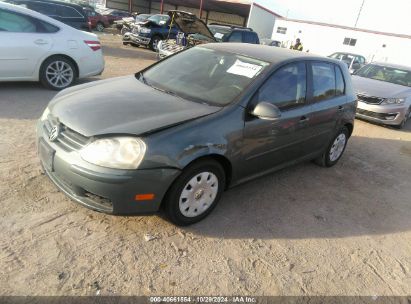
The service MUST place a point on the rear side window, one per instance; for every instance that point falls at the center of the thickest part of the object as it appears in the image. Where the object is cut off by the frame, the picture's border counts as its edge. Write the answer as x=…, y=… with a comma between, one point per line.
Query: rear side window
x=339, y=82
x=286, y=88
x=236, y=36
x=323, y=80
x=17, y=23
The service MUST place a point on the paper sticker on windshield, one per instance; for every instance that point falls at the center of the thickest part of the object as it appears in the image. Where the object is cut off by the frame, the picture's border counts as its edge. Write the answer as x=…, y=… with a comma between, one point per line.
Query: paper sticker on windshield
x=218, y=35
x=244, y=69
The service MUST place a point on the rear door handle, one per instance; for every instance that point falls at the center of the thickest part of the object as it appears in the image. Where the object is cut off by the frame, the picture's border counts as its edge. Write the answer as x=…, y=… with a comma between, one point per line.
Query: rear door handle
x=304, y=119
x=40, y=41
x=340, y=108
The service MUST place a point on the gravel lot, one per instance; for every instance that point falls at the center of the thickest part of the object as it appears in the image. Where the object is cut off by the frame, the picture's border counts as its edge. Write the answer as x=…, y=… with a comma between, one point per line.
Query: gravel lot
x=302, y=231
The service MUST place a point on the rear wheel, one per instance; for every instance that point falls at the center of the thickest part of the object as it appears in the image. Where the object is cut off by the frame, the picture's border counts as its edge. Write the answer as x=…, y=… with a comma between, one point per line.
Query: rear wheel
x=195, y=193
x=57, y=73
x=335, y=150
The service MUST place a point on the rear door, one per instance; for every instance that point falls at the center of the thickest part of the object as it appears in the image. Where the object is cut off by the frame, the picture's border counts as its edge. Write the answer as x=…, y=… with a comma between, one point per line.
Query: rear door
x=272, y=143
x=328, y=101
x=24, y=41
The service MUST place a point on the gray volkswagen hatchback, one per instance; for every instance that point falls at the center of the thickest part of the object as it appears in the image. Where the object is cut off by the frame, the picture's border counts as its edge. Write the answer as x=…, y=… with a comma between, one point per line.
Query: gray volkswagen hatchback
x=178, y=133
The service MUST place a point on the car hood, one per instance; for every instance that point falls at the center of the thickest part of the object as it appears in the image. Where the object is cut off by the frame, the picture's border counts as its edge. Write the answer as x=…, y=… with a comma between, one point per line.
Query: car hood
x=190, y=24
x=378, y=88
x=122, y=105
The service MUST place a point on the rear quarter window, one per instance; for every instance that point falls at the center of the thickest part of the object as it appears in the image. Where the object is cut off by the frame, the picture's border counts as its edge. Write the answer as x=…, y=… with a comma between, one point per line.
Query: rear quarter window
x=339, y=82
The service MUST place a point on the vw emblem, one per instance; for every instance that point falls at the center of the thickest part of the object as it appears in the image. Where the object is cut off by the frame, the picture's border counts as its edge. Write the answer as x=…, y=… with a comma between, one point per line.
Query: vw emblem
x=54, y=133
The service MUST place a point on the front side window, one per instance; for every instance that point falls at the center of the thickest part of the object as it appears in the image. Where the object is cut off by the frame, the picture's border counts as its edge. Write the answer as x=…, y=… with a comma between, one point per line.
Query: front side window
x=286, y=88
x=17, y=23
x=323, y=80
x=204, y=75
x=67, y=12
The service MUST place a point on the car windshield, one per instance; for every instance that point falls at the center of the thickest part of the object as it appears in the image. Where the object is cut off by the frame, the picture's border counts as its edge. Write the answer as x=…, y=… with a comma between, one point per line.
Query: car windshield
x=204, y=75
x=142, y=17
x=219, y=32
x=387, y=74
x=159, y=19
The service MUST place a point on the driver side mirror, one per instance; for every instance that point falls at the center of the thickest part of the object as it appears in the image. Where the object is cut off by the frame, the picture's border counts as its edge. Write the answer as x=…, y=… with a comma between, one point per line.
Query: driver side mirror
x=266, y=110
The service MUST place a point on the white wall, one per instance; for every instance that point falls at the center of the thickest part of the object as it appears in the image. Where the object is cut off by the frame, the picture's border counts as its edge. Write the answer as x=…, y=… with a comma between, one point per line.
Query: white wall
x=261, y=21
x=325, y=40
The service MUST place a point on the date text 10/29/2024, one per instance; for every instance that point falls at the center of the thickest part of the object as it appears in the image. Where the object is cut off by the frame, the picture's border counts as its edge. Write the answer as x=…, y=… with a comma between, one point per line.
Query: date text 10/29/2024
x=202, y=299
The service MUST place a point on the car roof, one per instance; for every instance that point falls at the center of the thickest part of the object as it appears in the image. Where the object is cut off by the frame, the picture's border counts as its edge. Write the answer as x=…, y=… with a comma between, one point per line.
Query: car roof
x=21, y=9
x=392, y=65
x=74, y=5
x=265, y=53
x=352, y=54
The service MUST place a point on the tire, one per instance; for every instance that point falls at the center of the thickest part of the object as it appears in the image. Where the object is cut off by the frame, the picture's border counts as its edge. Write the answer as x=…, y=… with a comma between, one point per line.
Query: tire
x=100, y=27
x=404, y=121
x=153, y=43
x=199, y=187
x=334, y=150
x=57, y=73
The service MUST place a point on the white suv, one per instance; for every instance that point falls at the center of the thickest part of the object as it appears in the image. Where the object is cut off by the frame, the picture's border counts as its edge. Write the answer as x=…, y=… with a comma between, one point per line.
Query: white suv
x=34, y=47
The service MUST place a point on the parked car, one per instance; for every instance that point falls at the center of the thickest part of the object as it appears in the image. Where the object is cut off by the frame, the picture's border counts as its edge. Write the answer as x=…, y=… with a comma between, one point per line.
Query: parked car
x=353, y=61
x=384, y=93
x=35, y=47
x=126, y=24
x=114, y=15
x=150, y=32
x=191, y=31
x=230, y=33
x=68, y=13
x=270, y=42
x=186, y=128
x=97, y=21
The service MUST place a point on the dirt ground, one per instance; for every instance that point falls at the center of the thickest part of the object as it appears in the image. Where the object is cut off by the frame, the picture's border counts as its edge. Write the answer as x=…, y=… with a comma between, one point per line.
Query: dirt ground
x=304, y=230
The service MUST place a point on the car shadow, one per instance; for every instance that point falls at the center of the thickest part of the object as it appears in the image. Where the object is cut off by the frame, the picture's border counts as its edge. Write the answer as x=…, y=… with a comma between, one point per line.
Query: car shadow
x=366, y=193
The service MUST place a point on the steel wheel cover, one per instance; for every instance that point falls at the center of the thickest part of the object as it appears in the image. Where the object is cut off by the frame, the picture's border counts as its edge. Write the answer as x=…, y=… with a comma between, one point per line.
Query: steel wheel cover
x=60, y=74
x=198, y=194
x=338, y=147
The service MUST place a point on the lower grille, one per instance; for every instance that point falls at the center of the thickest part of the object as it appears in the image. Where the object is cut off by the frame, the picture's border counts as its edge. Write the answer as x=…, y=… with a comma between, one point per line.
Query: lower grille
x=370, y=99
x=104, y=202
x=382, y=116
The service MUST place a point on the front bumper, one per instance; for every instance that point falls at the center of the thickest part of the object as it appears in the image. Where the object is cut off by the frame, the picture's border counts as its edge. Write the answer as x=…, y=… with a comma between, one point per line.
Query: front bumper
x=384, y=114
x=136, y=39
x=103, y=189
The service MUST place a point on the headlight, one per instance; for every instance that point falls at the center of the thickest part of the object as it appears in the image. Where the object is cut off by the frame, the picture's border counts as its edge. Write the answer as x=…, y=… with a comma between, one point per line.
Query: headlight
x=116, y=152
x=145, y=30
x=390, y=101
x=45, y=114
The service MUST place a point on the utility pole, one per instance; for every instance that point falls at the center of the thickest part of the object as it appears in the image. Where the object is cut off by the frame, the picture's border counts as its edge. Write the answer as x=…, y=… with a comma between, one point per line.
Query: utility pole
x=359, y=13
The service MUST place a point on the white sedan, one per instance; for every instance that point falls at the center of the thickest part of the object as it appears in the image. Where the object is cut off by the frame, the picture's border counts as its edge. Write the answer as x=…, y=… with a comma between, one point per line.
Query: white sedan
x=34, y=47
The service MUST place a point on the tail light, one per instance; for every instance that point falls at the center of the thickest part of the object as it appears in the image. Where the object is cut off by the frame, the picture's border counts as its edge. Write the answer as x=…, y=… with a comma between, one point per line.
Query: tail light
x=94, y=45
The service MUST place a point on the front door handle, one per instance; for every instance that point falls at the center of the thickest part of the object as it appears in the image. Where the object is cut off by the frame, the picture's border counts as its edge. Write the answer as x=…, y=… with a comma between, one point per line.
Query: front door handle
x=340, y=108
x=40, y=41
x=304, y=119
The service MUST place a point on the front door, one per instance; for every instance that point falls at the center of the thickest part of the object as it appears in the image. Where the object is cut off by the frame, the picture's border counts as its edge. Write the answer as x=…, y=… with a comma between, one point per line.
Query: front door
x=273, y=143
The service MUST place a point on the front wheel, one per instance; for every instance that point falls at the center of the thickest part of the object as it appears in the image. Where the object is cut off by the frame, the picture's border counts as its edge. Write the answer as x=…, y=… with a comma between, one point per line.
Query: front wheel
x=404, y=121
x=100, y=27
x=57, y=73
x=195, y=193
x=154, y=43
x=335, y=150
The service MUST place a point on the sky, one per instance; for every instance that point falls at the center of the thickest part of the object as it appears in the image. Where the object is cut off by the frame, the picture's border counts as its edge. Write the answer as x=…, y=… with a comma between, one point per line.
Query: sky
x=380, y=15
